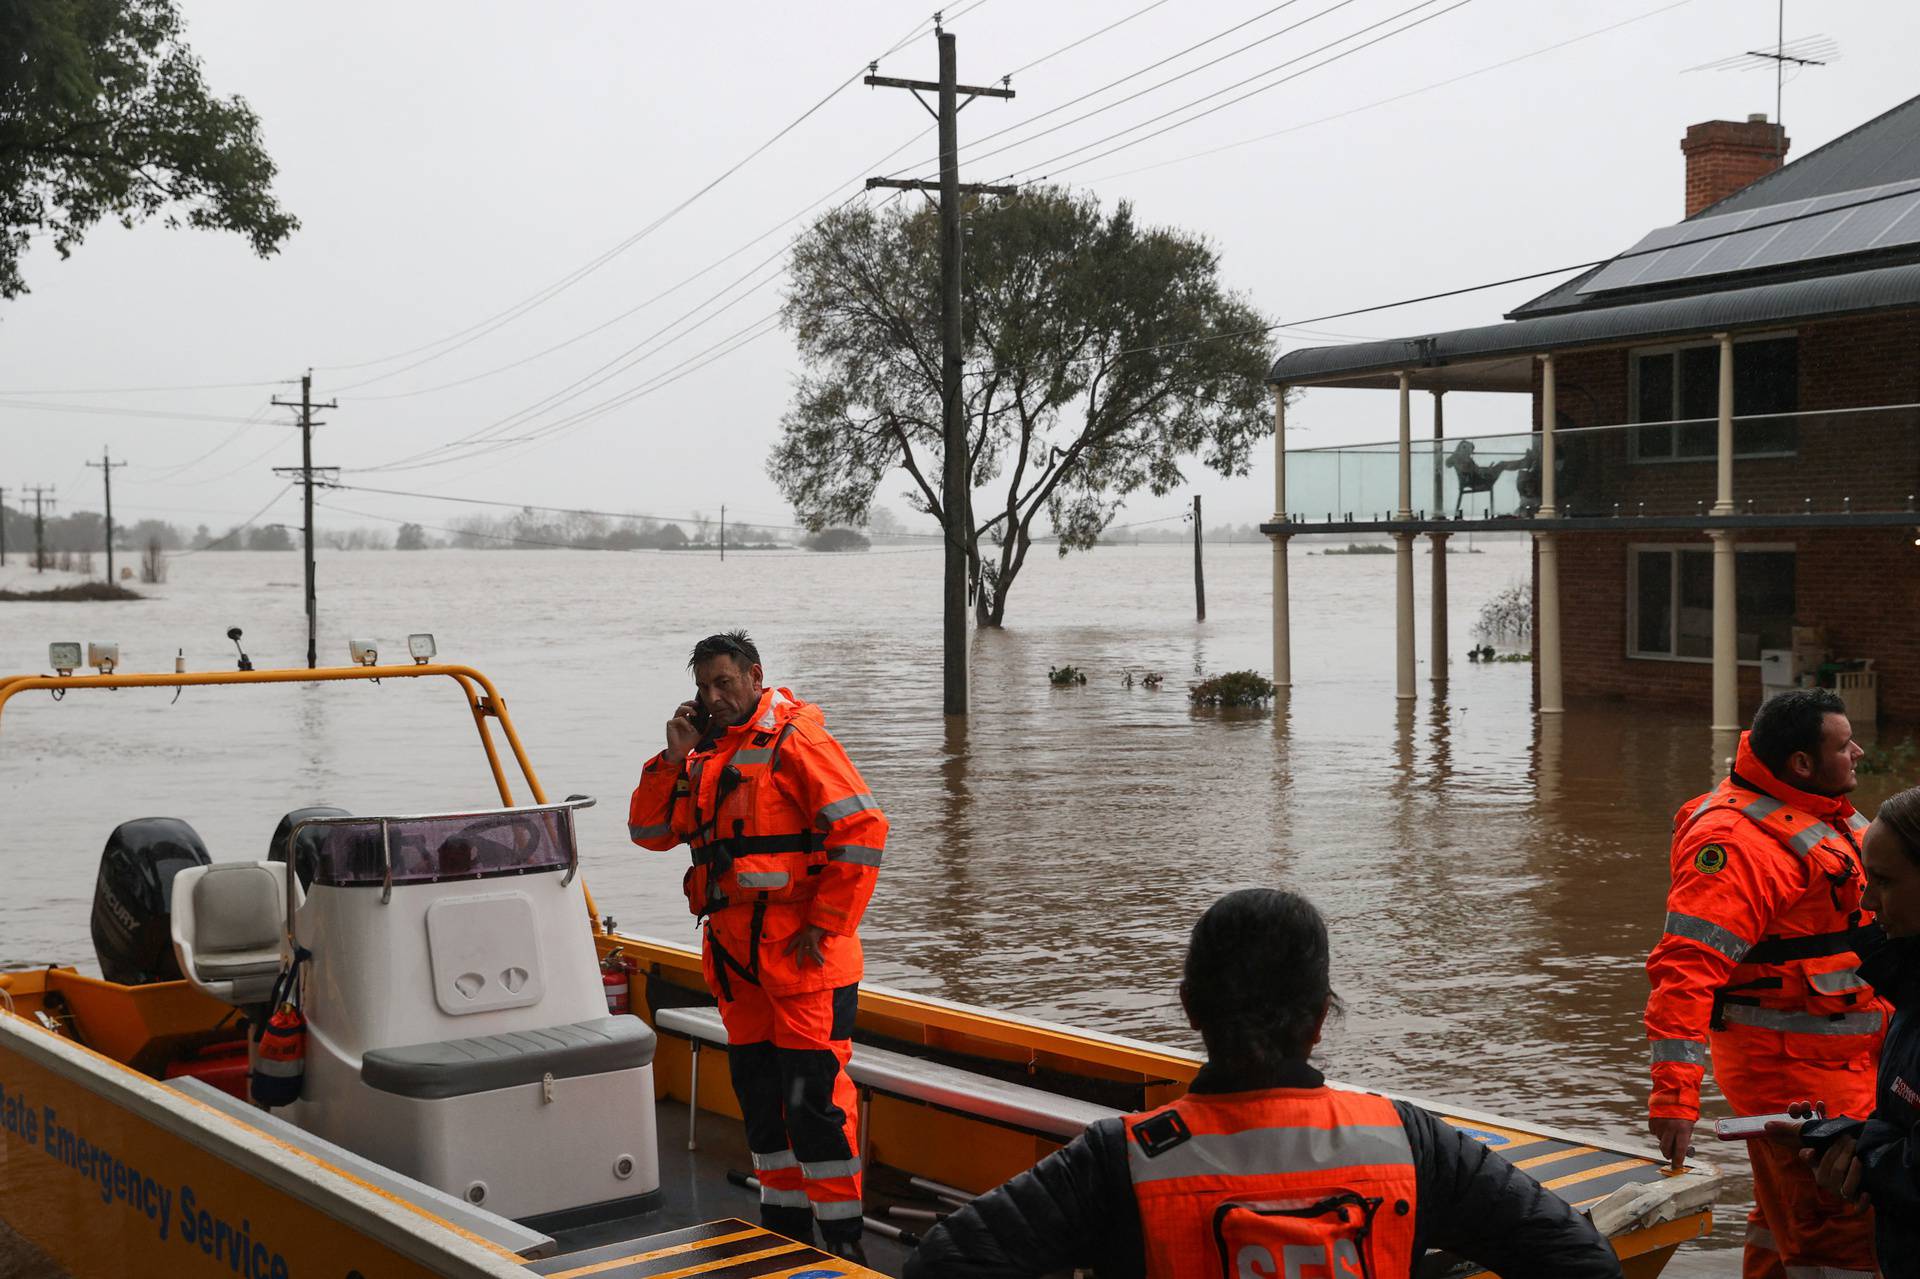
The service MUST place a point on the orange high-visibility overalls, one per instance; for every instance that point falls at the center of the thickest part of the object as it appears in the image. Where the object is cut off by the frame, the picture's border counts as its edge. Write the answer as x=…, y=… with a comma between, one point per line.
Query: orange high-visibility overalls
x=784, y=834
x=1759, y=959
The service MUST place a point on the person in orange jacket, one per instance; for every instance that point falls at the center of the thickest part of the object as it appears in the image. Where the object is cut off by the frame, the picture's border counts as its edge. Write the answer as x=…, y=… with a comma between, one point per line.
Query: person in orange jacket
x=786, y=843
x=1764, y=934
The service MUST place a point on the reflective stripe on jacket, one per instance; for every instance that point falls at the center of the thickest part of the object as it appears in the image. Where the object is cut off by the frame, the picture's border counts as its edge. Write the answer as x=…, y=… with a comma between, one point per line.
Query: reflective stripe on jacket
x=1760, y=952
x=784, y=833
x=1286, y=1181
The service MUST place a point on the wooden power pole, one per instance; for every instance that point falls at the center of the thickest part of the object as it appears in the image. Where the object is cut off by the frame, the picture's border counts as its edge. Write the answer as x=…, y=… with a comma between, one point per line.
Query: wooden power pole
x=40, y=500
x=306, y=473
x=3, y=528
x=1199, y=577
x=107, y=467
x=956, y=488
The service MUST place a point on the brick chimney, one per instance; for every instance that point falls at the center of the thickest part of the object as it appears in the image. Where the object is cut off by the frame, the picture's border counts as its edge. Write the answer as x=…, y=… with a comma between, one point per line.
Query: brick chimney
x=1723, y=156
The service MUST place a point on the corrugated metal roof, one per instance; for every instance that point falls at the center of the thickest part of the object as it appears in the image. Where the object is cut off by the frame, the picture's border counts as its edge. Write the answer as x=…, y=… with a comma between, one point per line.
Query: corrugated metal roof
x=1884, y=289
x=1885, y=149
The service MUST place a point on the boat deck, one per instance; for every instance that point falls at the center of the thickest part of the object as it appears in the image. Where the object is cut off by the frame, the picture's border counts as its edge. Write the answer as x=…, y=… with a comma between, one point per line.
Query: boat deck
x=704, y=1220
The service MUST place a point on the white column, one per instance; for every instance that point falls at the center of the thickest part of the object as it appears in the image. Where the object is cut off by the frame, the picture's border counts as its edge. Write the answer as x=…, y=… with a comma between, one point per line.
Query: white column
x=1547, y=624
x=1438, y=653
x=1282, y=627
x=1403, y=551
x=1726, y=623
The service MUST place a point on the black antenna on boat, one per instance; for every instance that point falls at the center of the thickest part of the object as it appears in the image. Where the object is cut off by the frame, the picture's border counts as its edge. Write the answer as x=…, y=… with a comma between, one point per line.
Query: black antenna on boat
x=233, y=633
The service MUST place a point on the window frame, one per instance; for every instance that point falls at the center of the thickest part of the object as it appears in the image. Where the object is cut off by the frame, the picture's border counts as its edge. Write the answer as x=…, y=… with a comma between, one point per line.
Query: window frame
x=1634, y=354
x=1632, y=609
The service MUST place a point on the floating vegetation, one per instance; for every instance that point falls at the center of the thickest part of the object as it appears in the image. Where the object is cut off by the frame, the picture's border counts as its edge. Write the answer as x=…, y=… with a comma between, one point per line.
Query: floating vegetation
x=1235, y=688
x=1359, y=548
x=79, y=591
x=1152, y=679
x=1062, y=676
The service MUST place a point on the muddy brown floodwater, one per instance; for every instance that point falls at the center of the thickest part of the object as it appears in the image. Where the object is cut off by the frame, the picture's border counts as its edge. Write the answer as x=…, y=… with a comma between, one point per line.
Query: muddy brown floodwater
x=1492, y=886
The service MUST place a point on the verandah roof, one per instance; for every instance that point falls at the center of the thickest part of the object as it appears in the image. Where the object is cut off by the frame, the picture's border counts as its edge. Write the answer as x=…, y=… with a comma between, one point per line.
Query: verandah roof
x=1499, y=357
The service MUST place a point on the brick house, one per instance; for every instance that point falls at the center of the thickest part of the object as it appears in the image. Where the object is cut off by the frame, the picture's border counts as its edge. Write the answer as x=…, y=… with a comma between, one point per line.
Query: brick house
x=1726, y=437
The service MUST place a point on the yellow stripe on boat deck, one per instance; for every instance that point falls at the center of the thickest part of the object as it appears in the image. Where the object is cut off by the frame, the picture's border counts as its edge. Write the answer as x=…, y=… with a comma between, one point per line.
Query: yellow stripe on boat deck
x=729, y=1249
x=1581, y=1174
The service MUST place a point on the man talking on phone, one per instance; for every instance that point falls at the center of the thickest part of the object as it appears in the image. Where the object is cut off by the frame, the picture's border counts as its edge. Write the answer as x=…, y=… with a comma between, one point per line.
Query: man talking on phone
x=786, y=844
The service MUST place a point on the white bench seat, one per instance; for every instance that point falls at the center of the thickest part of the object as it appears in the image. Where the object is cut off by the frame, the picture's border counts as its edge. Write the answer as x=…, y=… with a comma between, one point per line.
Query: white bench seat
x=916, y=1079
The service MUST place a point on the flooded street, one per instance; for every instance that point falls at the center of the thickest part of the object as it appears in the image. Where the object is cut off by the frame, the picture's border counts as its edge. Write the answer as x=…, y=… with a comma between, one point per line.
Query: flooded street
x=1492, y=891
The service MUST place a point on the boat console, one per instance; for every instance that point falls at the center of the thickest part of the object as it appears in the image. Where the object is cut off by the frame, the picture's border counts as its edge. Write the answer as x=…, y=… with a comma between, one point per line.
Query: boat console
x=456, y=1027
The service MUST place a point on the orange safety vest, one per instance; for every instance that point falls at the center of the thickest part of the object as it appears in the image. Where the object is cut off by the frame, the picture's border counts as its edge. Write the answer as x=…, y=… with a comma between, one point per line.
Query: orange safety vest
x=1762, y=943
x=783, y=833
x=1284, y=1183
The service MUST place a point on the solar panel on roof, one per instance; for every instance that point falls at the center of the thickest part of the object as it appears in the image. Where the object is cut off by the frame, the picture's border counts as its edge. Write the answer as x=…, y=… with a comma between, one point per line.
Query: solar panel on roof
x=1828, y=226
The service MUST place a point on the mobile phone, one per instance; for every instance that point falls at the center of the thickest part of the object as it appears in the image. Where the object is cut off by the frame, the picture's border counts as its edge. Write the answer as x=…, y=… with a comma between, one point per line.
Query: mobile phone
x=702, y=717
x=1747, y=1127
x=1821, y=1133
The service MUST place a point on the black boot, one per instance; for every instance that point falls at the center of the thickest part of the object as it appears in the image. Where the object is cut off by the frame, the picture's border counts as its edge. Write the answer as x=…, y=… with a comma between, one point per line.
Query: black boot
x=795, y=1223
x=849, y=1249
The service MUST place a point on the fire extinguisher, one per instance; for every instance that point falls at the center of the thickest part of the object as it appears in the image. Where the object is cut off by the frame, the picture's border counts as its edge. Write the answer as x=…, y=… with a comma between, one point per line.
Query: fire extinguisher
x=280, y=1050
x=616, y=979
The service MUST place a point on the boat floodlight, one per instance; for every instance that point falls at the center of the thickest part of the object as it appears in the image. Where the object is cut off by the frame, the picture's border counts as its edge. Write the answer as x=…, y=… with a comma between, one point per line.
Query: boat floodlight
x=103, y=656
x=364, y=652
x=421, y=647
x=64, y=657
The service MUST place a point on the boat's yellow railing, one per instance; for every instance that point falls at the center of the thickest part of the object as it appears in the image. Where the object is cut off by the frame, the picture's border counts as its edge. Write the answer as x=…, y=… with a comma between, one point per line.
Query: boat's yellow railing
x=483, y=700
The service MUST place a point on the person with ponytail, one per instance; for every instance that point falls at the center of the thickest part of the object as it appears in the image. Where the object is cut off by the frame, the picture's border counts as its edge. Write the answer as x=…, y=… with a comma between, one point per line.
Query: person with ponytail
x=1877, y=1161
x=1262, y=1168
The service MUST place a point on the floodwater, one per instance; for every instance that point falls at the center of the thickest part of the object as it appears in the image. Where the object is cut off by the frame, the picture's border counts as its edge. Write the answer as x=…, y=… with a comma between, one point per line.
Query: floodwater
x=1492, y=888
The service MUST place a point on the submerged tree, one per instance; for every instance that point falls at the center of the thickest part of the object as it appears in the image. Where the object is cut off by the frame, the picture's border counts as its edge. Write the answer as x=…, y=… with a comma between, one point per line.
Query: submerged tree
x=1101, y=355
x=103, y=114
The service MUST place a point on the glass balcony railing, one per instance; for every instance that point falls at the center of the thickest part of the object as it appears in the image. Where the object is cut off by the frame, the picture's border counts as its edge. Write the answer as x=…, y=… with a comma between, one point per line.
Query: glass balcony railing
x=1853, y=461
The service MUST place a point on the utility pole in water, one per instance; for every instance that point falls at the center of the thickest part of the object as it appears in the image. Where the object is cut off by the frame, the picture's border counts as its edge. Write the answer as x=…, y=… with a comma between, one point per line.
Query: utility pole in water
x=107, y=467
x=40, y=499
x=1199, y=577
x=306, y=473
x=3, y=528
x=956, y=494
x=723, y=532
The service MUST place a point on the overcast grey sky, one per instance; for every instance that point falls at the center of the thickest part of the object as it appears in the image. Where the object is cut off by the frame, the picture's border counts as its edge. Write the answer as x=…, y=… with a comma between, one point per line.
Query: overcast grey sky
x=448, y=161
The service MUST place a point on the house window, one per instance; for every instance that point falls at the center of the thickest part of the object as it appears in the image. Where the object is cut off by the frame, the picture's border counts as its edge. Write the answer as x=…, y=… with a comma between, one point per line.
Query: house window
x=1670, y=613
x=1678, y=389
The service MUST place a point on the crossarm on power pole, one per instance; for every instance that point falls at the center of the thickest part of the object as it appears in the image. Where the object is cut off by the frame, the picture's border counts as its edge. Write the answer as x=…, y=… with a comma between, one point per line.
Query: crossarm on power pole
x=921, y=184
x=306, y=472
x=107, y=466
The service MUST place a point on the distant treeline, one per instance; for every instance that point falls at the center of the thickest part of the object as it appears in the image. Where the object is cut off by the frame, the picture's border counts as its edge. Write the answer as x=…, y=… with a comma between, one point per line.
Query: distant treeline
x=83, y=531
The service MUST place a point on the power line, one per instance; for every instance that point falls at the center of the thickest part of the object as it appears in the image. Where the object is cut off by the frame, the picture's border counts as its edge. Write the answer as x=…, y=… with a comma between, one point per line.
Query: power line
x=233, y=532
x=1048, y=57
x=1177, y=124
x=1398, y=97
x=149, y=390
x=108, y=410
x=474, y=332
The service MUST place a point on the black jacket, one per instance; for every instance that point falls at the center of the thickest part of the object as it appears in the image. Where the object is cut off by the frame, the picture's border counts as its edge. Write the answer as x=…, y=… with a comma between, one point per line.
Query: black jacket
x=1889, y=1147
x=1075, y=1208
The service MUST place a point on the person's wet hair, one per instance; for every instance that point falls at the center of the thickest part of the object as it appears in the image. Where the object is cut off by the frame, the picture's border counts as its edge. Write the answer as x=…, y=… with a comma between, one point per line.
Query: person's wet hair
x=734, y=644
x=1901, y=815
x=1256, y=976
x=1792, y=721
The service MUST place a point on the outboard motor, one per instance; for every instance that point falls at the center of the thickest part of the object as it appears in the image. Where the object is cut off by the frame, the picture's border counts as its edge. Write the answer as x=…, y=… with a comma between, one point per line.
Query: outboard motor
x=133, y=898
x=283, y=836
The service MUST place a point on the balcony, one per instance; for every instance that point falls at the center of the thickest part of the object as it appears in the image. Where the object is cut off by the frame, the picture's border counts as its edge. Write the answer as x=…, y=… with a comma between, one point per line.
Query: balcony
x=1823, y=468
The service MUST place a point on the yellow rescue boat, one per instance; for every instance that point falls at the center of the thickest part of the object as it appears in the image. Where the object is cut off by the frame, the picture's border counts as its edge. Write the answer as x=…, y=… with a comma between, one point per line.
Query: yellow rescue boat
x=473, y=1097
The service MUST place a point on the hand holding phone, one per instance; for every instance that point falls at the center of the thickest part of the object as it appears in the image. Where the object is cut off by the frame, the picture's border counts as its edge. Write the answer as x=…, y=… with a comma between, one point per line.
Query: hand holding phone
x=1747, y=1127
x=685, y=729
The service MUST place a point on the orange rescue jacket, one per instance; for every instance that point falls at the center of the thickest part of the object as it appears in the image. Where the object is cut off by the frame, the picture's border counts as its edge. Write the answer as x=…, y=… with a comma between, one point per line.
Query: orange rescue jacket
x=784, y=834
x=1285, y=1181
x=1761, y=945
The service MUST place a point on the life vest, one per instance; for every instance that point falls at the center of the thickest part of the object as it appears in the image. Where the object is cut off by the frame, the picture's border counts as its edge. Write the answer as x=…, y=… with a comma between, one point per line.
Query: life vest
x=1801, y=979
x=1286, y=1183
x=751, y=845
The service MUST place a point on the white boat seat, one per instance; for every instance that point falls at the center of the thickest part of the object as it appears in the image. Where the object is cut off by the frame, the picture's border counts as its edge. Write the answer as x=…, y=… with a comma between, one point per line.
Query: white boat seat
x=896, y=1074
x=484, y=1063
x=491, y=1226
x=228, y=925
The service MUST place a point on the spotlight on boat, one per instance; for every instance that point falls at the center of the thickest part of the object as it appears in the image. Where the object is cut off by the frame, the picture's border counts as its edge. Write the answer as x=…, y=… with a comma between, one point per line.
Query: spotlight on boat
x=64, y=658
x=233, y=633
x=103, y=657
x=364, y=652
x=421, y=648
